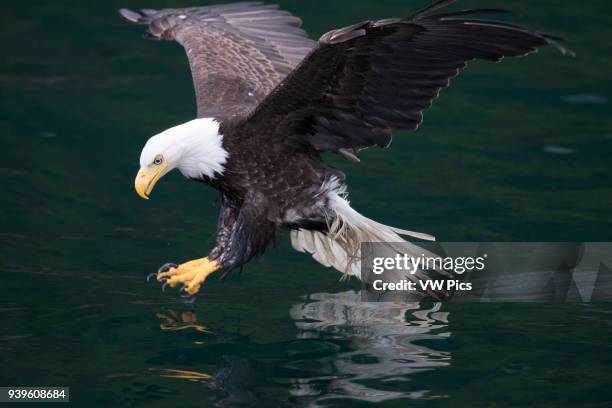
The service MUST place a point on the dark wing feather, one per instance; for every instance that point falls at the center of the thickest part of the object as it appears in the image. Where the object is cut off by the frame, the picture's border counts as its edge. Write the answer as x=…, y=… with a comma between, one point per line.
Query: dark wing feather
x=362, y=81
x=237, y=52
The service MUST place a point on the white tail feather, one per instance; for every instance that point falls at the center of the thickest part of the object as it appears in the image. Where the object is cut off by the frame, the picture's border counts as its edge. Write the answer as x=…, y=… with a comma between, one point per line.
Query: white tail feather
x=340, y=247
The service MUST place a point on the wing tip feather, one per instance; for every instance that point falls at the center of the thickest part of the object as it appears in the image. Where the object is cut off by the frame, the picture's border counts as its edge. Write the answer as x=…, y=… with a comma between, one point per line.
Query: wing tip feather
x=130, y=16
x=440, y=4
x=557, y=42
x=425, y=13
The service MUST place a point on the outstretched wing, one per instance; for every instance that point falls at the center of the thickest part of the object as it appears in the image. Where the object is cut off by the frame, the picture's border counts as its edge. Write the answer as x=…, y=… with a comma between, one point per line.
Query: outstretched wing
x=362, y=81
x=237, y=52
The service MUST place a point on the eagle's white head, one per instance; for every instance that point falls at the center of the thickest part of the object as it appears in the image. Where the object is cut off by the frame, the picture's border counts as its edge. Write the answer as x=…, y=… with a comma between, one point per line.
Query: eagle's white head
x=195, y=148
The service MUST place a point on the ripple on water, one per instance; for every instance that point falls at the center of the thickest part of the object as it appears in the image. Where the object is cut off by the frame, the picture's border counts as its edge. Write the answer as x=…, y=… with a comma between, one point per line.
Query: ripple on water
x=585, y=98
x=558, y=150
x=383, y=347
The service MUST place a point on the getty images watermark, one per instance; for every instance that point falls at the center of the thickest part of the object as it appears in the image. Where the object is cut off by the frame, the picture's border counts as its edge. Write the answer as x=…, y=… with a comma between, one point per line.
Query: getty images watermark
x=487, y=271
x=410, y=265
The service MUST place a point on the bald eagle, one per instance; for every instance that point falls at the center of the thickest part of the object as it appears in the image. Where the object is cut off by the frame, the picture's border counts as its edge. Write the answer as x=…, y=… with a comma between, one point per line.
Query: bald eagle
x=271, y=101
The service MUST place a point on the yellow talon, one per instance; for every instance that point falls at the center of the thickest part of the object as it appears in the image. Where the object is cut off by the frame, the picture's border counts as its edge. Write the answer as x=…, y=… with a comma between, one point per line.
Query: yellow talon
x=182, y=269
x=191, y=274
x=176, y=280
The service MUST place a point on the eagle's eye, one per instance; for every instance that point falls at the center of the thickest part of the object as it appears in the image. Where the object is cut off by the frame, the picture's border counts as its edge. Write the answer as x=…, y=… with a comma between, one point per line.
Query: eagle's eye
x=158, y=160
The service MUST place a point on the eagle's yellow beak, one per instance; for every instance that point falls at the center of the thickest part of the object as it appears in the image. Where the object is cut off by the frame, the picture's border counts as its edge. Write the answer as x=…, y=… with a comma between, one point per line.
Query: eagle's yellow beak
x=147, y=177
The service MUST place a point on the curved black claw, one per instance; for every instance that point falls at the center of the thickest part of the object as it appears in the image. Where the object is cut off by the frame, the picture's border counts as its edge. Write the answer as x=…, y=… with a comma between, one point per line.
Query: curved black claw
x=164, y=286
x=166, y=267
x=149, y=276
x=185, y=295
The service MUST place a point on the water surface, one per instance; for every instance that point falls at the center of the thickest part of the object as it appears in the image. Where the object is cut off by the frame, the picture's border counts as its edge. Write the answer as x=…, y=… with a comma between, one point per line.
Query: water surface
x=513, y=152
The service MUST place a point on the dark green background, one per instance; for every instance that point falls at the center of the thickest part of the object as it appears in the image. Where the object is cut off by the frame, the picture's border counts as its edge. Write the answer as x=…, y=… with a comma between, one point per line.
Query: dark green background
x=81, y=93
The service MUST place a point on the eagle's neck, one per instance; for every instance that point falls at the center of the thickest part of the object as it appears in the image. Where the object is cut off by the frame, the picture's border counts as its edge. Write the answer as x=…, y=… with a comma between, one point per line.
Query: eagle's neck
x=201, y=151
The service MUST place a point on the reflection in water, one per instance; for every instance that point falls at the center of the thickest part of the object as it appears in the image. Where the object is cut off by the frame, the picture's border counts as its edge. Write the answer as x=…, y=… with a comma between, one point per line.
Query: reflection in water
x=171, y=321
x=381, y=347
x=344, y=348
x=182, y=374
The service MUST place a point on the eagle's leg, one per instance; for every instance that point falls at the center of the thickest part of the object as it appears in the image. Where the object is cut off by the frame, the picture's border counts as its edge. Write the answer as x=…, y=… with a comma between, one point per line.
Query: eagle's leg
x=190, y=274
x=242, y=234
x=193, y=273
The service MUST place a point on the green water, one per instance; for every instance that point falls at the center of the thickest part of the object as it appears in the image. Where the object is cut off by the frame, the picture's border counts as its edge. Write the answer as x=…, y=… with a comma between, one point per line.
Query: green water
x=504, y=155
